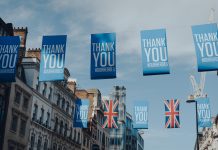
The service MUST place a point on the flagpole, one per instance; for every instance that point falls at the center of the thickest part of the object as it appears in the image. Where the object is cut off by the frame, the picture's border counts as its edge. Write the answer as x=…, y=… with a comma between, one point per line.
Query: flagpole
x=192, y=100
x=196, y=110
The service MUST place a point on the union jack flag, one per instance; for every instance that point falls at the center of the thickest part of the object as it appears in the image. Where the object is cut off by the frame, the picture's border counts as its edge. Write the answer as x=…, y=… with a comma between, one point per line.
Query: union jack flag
x=172, y=113
x=110, y=113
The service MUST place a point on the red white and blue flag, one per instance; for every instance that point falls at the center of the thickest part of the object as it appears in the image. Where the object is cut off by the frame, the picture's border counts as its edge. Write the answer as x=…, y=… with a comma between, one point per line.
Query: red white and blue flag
x=110, y=113
x=172, y=113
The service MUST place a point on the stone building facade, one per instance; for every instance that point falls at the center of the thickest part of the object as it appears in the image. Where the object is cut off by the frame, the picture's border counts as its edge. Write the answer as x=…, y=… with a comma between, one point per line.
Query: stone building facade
x=52, y=109
x=15, y=100
x=94, y=134
x=209, y=136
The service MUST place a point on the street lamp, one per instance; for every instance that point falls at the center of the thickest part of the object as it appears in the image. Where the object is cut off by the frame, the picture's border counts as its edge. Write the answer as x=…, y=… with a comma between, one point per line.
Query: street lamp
x=192, y=100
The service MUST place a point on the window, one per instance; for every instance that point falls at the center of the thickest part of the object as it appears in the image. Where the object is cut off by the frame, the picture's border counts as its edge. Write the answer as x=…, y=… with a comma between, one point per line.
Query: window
x=17, y=97
x=2, y=107
x=56, y=124
x=38, y=85
x=63, y=103
x=48, y=118
x=65, y=130
x=61, y=127
x=44, y=90
x=71, y=133
x=78, y=138
x=22, y=127
x=58, y=99
x=32, y=140
x=74, y=135
x=67, y=109
x=50, y=93
x=45, y=147
x=84, y=140
x=42, y=115
x=87, y=143
x=11, y=147
x=25, y=103
x=14, y=123
x=39, y=143
x=59, y=147
x=54, y=146
x=35, y=111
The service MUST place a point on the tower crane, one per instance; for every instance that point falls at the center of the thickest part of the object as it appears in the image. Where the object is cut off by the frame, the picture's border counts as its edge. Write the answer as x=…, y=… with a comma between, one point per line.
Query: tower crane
x=198, y=89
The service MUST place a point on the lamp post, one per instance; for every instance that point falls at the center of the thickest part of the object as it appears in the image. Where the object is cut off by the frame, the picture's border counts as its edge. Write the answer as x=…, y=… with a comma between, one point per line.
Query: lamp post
x=192, y=100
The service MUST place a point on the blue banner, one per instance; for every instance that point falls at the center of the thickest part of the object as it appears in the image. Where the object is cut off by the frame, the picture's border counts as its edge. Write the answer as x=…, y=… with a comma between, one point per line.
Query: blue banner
x=81, y=113
x=204, y=115
x=140, y=116
x=103, y=56
x=52, y=58
x=206, y=46
x=9, y=53
x=154, y=52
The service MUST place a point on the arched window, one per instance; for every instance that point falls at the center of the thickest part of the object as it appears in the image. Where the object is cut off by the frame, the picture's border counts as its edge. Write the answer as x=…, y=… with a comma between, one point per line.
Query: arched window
x=63, y=104
x=65, y=130
x=54, y=146
x=39, y=143
x=44, y=90
x=59, y=147
x=45, y=147
x=61, y=127
x=67, y=108
x=50, y=93
x=32, y=140
x=56, y=124
x=58, y=99
x=74, y=135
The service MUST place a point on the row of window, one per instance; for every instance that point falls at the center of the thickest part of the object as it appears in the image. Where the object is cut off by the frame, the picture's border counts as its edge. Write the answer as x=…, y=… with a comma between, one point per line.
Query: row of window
x=115, y=141
x=44, y=90
x=85, y=141
x=40, y=145
x=41, y=119
x=14, y=125
x=58, y=147
x=20, y=97
x=62, y=129
x=63, y=104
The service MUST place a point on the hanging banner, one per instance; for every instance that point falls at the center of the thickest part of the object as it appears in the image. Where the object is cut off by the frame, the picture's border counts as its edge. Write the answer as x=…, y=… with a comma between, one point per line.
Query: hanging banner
x=9, y=53
x=140, y=116
x=52, y=58
x=81, y=113
x=206, y=46
x=110, y=113
x=172, y=113
x=204, y=115
x=103, y=56
x=154, y=52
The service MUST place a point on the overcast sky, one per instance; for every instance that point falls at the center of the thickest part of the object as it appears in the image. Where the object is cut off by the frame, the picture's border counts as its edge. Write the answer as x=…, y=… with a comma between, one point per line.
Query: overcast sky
x=79, y=18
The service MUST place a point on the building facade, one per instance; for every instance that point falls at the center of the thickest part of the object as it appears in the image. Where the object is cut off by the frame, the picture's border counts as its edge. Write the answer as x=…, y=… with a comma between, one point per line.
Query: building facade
x=15, y=101
x=94, y=135
x=209, y=136
x=125, y=137
x=6, y=29
x=52, y=109
x=118, y=136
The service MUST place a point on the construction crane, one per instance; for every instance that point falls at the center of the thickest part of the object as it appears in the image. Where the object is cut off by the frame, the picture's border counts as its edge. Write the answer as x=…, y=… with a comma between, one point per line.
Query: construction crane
x=198, y=89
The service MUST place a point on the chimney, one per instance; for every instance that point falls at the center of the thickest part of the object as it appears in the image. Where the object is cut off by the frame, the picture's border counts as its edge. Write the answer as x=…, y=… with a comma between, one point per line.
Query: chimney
x=71, y=84
x=34, y=53
x=22, y=32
